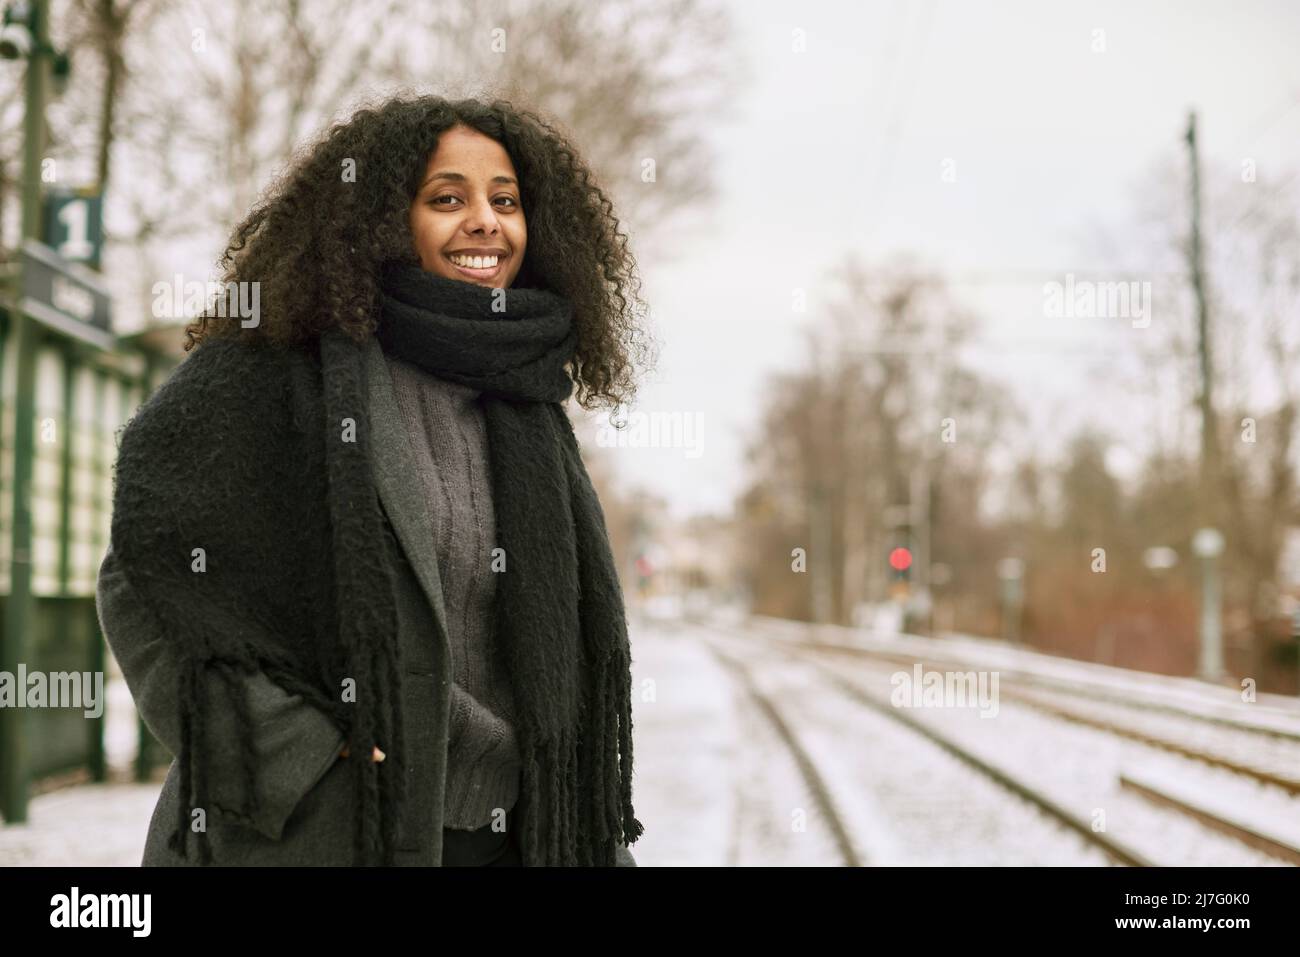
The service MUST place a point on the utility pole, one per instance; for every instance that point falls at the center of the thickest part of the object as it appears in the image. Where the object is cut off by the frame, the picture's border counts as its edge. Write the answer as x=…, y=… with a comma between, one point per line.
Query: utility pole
x=920, y=514
x=1210, y=469
x=1011, y=574
x=14, y=760
x=821, y=562
x=1208, y=542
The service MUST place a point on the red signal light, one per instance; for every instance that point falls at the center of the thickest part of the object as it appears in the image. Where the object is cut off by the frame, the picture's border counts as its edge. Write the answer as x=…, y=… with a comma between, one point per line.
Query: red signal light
x=900, y=559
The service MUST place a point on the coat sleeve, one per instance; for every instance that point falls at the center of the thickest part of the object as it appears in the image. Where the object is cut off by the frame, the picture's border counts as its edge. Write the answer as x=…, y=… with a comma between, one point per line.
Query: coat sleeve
x=295, y=742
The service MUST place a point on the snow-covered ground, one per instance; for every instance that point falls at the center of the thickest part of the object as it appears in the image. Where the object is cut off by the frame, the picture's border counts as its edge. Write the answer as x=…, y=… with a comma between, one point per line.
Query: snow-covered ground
x=906, y=805
x=99, y=825
x=88, y=825
x=715, y=784
x=687, y=736
x=685, y=747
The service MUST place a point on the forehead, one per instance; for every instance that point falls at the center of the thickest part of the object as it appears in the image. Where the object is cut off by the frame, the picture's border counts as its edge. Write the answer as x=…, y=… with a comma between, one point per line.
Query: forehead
x=463, y=150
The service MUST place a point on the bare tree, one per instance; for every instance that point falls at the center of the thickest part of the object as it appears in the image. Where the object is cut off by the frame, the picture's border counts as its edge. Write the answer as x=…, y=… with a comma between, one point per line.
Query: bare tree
x=634, y=80
x=198, y=106
x=1251, y=286
x=841, y=440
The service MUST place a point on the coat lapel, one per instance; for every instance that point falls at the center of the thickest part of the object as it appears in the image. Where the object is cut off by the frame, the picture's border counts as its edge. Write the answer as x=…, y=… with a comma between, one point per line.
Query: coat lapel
x=394, y=472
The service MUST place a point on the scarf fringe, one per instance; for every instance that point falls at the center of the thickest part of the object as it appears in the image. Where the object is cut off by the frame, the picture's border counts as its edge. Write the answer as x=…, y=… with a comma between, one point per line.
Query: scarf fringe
x=582, y=776
x=578, y=813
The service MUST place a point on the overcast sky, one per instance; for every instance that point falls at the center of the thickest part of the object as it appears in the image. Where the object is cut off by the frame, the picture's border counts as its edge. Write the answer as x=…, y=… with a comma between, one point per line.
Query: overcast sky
x=842, y=148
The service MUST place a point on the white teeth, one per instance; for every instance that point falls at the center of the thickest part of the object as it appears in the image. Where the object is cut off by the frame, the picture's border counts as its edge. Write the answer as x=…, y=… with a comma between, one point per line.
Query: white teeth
x=475, y=262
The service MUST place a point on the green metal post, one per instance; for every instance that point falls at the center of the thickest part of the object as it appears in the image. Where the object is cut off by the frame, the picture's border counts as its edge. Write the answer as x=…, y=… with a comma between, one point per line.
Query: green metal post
x=65, y=468
x=18, y=610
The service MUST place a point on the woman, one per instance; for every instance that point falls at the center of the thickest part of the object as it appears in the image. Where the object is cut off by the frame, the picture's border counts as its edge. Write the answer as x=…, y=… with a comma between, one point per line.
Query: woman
x=361, y=525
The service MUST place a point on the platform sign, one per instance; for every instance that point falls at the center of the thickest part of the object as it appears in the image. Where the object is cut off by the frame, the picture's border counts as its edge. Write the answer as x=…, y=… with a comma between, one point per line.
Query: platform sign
x=64, y=295
x=74, y=224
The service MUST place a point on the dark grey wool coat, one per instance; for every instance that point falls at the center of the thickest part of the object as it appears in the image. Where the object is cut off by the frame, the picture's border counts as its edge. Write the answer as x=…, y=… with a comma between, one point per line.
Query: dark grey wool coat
x=307, y=805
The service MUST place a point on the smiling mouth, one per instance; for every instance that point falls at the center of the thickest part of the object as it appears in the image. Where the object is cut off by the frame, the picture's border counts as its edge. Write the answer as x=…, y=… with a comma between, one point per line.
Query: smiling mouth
x=466, y=265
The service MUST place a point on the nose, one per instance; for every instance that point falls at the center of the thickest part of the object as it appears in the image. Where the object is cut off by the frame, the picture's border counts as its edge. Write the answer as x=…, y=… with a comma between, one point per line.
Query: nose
x=482, y=219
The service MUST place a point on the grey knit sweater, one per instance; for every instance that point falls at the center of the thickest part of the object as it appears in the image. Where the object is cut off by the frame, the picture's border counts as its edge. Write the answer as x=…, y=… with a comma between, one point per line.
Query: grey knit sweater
x=448, y=438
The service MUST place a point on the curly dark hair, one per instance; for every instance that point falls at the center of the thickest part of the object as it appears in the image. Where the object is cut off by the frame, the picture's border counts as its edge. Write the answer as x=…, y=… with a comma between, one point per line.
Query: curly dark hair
x=316, y=240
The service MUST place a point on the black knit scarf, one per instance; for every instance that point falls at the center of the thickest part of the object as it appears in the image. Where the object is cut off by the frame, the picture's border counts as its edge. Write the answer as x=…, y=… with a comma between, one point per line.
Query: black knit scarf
x=260, y=457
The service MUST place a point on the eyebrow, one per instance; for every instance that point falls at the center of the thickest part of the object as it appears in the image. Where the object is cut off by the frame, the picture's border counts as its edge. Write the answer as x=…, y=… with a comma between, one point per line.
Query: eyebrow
x=461, y=178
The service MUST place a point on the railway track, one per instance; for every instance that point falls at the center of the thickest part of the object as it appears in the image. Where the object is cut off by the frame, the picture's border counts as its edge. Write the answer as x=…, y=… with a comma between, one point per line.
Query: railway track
x=1116, y=851
x=798, y=632
x=825, y=799
x=1043, y=695
x=812, y=778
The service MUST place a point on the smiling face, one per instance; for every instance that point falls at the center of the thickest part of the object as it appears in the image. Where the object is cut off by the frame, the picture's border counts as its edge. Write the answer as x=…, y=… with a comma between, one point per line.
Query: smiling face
x=466, y=219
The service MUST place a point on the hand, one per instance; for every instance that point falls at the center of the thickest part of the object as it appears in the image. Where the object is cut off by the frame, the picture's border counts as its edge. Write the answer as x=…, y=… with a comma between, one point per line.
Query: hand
x=376, y=757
